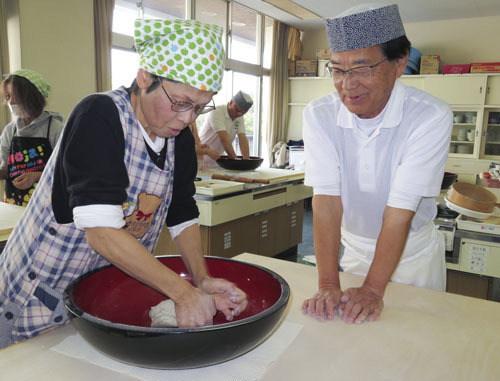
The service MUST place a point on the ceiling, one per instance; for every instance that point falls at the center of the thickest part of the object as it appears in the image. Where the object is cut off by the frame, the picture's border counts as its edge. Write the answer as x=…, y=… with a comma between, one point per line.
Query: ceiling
x=410, y=10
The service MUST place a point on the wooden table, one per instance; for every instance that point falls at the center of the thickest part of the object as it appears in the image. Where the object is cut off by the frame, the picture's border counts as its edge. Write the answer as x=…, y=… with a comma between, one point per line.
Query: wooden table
x=421, y=335
x=9, y=216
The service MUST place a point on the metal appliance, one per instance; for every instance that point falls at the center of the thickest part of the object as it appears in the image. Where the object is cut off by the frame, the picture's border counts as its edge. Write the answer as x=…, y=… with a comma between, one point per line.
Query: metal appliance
x=477, y=248
x=445, y=223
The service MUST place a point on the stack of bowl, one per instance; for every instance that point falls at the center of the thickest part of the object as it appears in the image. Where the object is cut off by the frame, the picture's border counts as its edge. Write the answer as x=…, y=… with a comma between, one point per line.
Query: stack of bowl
x=413, y=65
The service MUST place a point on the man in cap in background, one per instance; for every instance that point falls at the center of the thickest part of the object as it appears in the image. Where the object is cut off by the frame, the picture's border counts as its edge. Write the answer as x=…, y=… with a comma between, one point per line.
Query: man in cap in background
x=124, y=167
x=375, y=156
x=223, y=124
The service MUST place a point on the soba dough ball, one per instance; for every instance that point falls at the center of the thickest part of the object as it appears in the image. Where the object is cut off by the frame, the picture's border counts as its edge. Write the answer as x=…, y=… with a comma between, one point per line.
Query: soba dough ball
x=163, y=314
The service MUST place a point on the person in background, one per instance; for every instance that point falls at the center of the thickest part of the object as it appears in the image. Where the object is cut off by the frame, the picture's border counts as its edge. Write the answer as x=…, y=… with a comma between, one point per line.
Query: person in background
x=202, y=149
x=223, y=124
x=27, y=142
x=124, y=167
x=375, y=155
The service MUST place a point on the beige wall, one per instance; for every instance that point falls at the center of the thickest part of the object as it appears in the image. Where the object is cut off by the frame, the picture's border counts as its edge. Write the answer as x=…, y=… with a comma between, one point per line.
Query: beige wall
x=56, y=38
x=456, y=41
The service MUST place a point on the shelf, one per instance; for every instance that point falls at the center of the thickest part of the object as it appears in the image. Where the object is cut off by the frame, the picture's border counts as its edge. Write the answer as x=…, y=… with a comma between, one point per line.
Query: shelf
x=464, y=124
x=461, y=142
x=494, y=143
x=493, y=125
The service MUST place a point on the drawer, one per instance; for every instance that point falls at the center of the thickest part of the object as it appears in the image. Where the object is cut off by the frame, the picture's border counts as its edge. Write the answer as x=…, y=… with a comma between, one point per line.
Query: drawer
x=461, y=166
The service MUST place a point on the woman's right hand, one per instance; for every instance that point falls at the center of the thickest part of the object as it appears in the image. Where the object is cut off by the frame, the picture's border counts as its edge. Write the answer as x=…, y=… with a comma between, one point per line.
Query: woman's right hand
x=195, y=310
x=323, y=303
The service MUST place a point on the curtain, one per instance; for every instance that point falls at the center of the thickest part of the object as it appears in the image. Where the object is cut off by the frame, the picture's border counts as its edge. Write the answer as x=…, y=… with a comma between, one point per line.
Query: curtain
x=278, y=107
x=4, y=60
x=103, y=20
x=294, y=44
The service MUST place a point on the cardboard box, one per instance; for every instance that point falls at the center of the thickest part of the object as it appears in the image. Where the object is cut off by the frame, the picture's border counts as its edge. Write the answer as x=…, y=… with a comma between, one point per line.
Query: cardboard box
x=306, y=68
x=429, y=64
x=323, y=54
x=291, y=68
x=456, y=69
x=485, y=67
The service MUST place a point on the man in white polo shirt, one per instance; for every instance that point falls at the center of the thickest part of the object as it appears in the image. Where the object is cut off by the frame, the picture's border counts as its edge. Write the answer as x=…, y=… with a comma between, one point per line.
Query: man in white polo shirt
x=375, y=155
x=223, y=124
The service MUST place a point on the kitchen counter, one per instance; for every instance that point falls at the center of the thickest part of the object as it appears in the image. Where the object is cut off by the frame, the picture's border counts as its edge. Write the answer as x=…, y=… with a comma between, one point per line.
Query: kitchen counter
x=9, y=216
x=421, y=335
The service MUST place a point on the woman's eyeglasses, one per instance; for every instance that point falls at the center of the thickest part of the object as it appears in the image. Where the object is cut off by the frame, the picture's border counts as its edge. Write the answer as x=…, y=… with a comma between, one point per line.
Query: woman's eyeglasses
x=179, y=106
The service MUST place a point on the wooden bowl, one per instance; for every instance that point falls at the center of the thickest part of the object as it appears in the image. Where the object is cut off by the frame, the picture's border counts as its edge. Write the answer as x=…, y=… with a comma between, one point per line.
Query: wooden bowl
x=473, y=197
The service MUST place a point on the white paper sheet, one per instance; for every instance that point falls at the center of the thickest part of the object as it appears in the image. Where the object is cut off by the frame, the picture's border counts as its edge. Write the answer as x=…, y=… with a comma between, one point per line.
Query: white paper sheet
x=248, y=367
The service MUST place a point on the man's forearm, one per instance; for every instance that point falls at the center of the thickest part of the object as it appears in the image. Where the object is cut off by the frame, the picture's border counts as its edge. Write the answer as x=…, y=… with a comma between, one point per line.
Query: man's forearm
x=327, y=217
x=390, y=245
x=244, y=146
x=227, y=143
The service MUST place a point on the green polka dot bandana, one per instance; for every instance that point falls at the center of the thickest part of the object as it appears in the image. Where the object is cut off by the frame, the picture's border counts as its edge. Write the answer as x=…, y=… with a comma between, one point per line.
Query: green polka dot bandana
x=35, y=78
x=187, y=51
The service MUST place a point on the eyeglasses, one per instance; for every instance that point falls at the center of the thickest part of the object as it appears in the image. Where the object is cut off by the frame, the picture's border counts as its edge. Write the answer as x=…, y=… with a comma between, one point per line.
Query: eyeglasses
x=361, y=73
x=179, y=106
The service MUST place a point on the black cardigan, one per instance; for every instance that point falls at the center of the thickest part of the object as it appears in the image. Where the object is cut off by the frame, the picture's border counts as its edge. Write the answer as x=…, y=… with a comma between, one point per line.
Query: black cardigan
x=90, y=170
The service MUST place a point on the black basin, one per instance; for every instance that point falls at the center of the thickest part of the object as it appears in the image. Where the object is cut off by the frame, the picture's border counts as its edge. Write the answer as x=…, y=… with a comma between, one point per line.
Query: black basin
x=111, y=313
x=240, y=164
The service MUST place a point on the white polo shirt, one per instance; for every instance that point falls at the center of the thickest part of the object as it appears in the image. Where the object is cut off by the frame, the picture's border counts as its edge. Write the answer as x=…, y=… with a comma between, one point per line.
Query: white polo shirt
x=219, y=120
x=395, y=159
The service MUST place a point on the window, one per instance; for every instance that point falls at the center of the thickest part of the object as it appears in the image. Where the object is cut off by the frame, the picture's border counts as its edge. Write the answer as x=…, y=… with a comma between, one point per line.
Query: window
x=248, y=44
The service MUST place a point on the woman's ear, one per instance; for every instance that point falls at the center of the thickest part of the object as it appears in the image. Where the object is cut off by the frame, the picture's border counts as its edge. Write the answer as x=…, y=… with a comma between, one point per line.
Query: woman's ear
x=143, y=79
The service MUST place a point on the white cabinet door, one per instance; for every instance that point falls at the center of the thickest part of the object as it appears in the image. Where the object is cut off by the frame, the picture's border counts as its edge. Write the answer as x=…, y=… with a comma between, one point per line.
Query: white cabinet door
x=493, y=90
x=457, y=90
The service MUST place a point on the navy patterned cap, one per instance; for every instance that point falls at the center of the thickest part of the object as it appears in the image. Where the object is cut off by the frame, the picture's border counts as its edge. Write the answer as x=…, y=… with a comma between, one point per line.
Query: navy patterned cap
x=351, y=31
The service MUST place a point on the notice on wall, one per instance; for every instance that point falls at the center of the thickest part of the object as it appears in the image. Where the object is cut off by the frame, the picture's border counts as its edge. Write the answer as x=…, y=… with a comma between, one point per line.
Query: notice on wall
x=478, y=258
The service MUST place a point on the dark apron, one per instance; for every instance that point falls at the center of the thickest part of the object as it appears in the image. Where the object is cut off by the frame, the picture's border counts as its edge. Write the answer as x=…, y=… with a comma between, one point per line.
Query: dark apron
x=26, y=155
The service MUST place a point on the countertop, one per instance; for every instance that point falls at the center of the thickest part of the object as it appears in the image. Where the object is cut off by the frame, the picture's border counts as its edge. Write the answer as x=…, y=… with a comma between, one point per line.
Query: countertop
x=9, y=216
x=421, y=335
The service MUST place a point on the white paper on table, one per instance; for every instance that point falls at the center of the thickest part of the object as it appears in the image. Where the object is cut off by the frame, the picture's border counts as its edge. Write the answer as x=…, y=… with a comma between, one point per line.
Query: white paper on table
x=248, y=367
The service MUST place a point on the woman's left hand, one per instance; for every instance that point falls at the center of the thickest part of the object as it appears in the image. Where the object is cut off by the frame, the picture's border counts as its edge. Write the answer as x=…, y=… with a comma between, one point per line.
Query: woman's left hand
x=229, y=299
x=26, y=180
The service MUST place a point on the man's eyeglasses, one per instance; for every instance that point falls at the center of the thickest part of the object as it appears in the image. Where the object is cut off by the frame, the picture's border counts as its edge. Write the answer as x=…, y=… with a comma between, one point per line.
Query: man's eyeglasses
x=361, y=73
x=179, y=106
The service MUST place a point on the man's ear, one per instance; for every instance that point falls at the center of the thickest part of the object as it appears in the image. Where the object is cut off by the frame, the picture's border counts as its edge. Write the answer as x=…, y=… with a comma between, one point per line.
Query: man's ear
x=143, y=79
x=401, y=65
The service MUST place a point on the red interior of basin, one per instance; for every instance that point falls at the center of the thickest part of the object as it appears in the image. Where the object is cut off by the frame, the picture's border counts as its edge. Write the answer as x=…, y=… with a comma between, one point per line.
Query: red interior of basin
x=112, y=295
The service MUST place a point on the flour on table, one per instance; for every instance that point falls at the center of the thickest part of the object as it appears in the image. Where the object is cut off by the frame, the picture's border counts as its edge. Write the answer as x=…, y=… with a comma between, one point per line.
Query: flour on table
x=163, y=314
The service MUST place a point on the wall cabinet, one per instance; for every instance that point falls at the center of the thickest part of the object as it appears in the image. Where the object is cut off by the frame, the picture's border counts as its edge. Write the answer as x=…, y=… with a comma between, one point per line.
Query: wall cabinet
x=475, y=101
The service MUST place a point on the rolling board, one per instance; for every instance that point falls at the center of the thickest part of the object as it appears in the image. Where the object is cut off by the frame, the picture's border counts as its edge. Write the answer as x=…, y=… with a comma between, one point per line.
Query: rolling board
x=273, y=175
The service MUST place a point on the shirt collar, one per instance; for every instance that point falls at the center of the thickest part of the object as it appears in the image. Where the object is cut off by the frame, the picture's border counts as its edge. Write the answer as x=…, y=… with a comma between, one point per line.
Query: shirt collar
x=393, y=113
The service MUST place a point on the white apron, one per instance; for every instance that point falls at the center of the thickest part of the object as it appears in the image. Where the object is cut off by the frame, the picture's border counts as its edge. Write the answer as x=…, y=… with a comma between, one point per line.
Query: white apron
x=422, y=263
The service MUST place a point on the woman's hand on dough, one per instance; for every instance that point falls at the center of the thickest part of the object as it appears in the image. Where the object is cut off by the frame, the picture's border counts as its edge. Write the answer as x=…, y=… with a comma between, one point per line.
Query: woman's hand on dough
x=195, y=310
x=229, y=299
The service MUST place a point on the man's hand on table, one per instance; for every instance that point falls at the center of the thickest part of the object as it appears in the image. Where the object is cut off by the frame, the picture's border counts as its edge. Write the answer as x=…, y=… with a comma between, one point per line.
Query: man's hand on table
x=323, y=303
x=360, y=304
x=229, y=299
